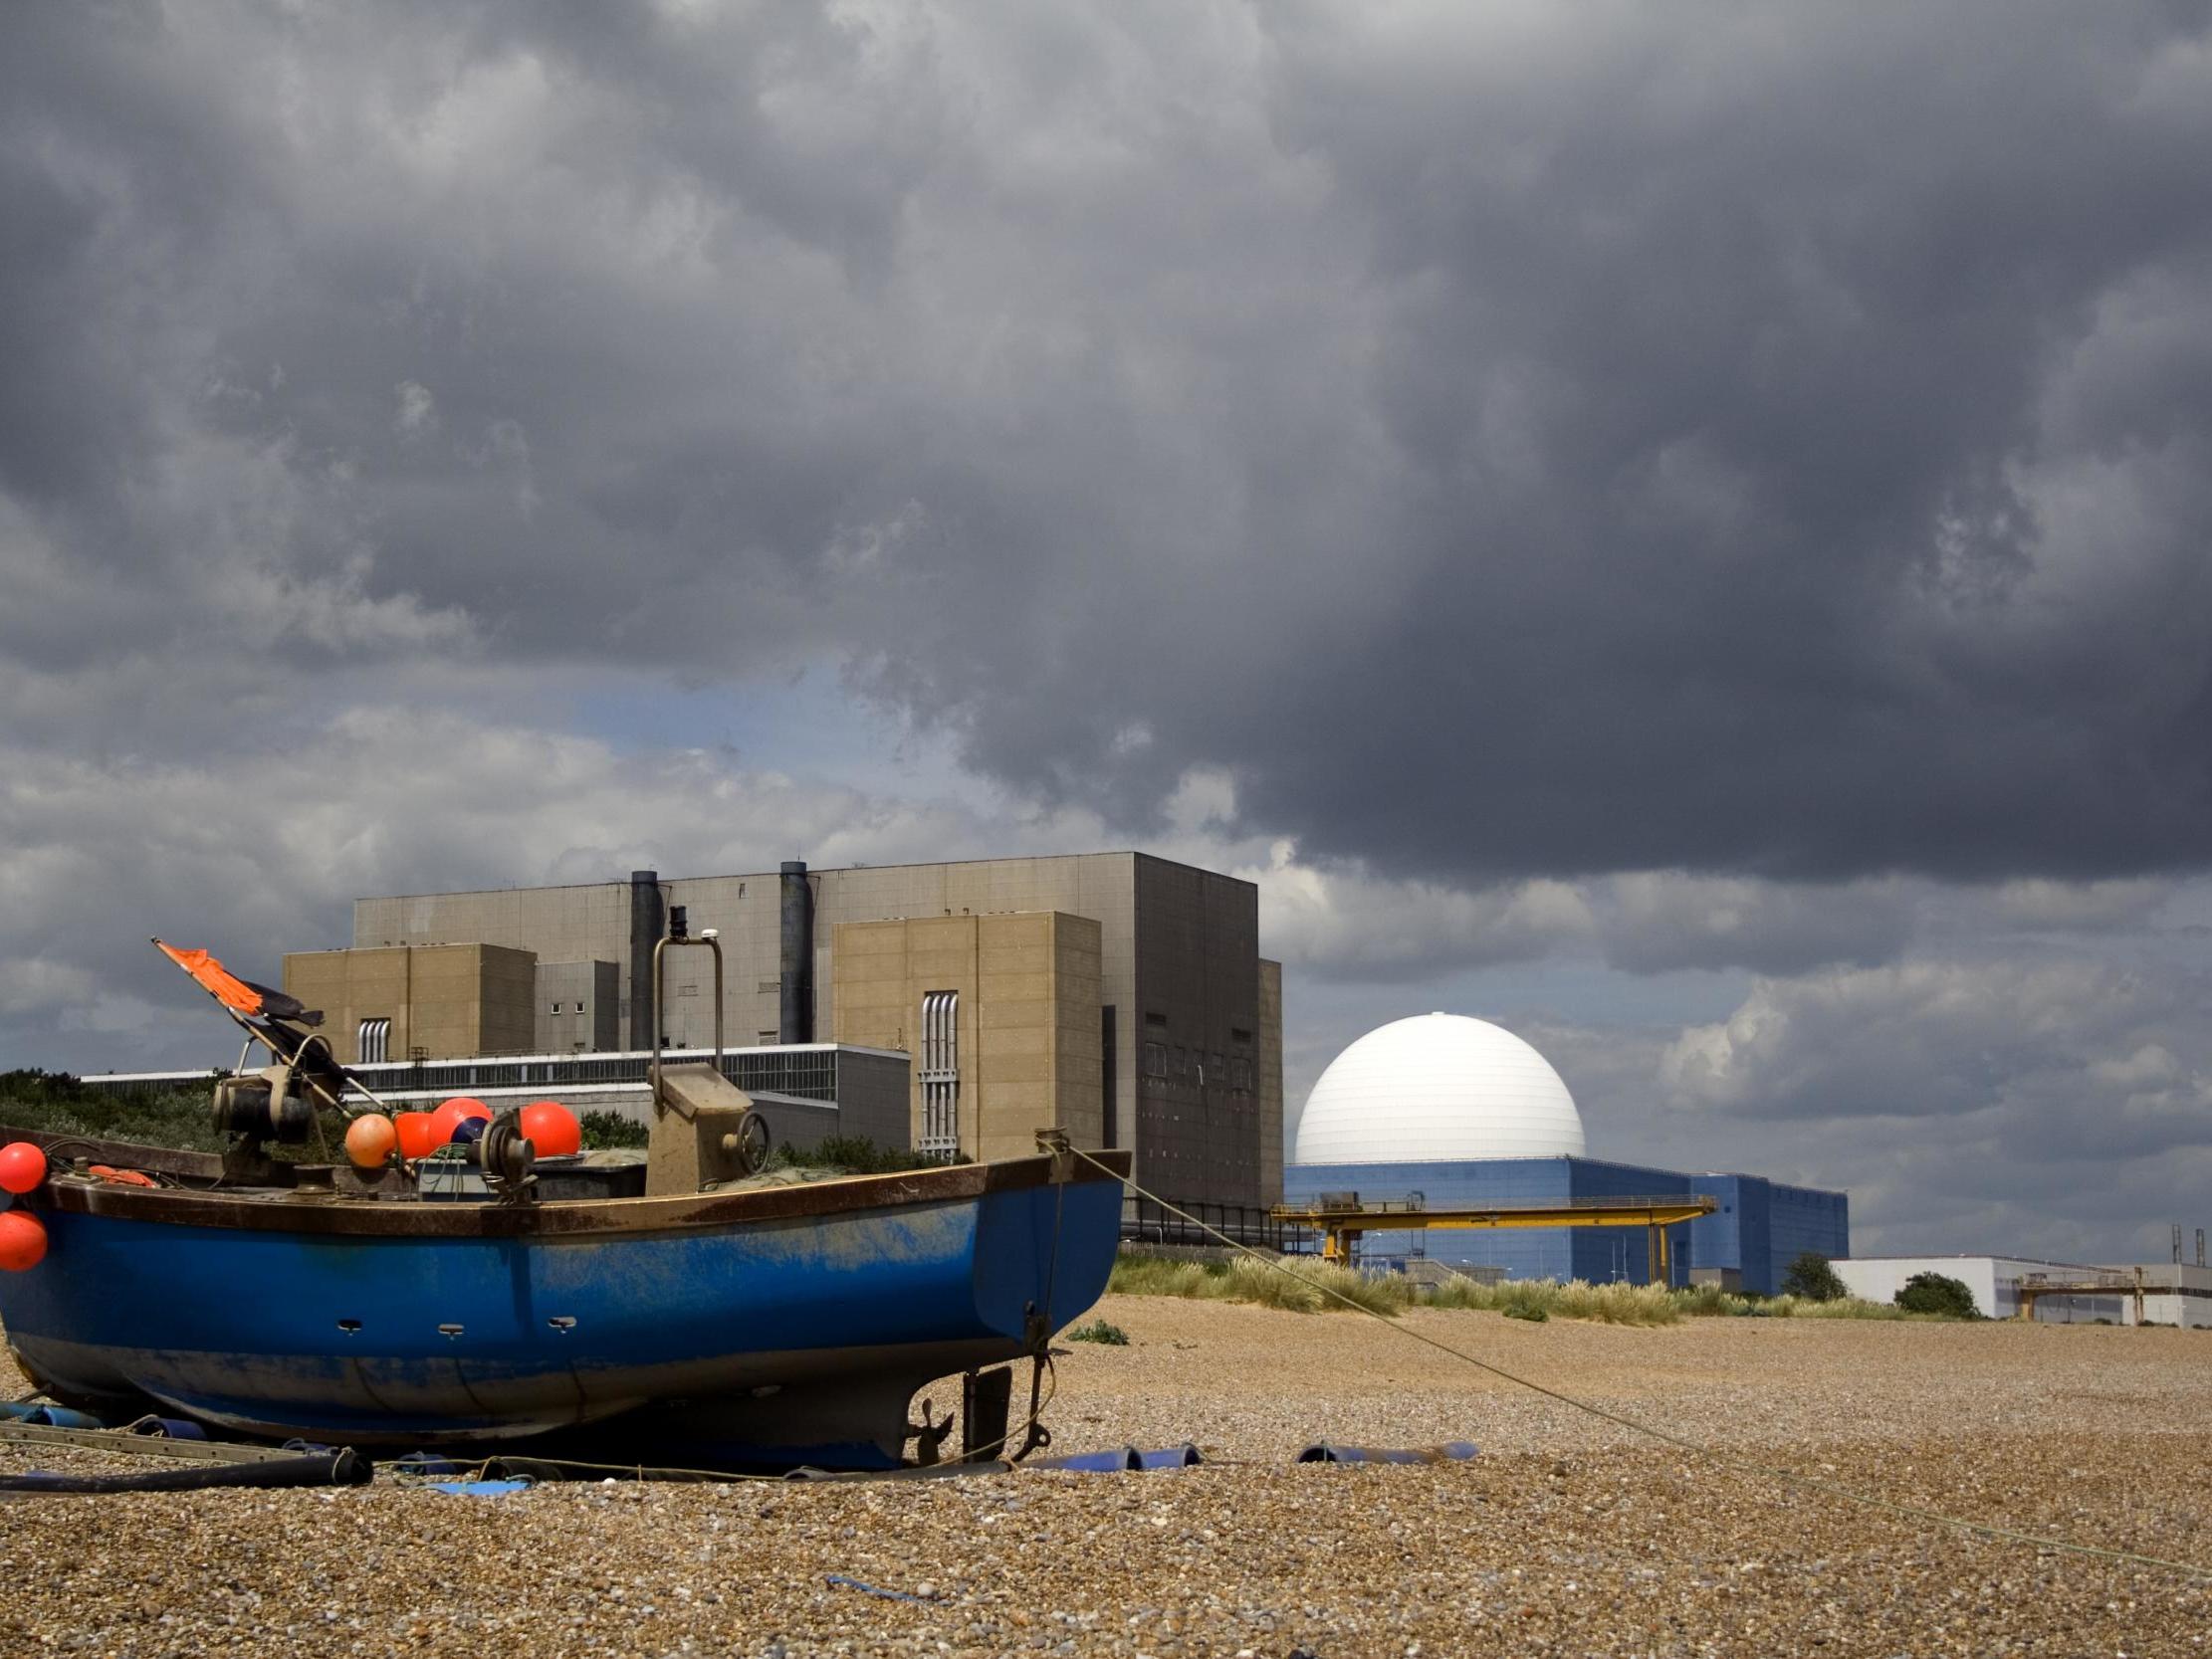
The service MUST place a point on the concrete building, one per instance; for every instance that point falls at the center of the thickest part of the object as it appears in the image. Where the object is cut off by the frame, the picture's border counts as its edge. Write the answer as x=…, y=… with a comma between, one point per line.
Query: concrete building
x=389, y=1002
x=1171, y=1045
x=1466, y=1115
x=1019, y=992
x=2172, y=1293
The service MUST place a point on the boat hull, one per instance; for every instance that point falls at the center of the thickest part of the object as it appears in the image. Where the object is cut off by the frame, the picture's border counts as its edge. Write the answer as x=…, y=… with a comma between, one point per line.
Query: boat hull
x=784, y=1331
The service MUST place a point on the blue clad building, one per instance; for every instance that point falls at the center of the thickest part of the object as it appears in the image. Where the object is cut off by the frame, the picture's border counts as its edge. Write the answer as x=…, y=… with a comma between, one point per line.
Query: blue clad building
x=1466, y=1115
x=1760, y=1227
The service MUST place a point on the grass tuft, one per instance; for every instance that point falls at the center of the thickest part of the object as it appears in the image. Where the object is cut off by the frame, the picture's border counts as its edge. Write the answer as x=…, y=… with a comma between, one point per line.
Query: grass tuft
x=1528, y=1297
x=1245, y=1279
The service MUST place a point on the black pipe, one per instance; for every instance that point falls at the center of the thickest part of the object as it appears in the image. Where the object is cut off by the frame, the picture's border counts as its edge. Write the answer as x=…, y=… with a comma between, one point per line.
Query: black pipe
x=796, y=956
x=342, y=1467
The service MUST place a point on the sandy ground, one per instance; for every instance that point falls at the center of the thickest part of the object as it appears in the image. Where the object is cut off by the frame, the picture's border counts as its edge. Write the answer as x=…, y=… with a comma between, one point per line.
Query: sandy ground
x=1568, y=1536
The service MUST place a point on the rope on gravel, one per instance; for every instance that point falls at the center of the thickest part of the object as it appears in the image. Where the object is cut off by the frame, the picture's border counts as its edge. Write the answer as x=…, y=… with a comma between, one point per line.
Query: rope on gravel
x=1784, y=1477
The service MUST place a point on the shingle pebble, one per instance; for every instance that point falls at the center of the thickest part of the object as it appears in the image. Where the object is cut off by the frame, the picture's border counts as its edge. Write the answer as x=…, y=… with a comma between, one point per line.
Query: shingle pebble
x=1568, y=1536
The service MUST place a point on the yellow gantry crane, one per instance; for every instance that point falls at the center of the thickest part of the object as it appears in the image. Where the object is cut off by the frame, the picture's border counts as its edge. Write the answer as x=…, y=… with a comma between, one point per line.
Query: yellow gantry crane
x=1340, y=1218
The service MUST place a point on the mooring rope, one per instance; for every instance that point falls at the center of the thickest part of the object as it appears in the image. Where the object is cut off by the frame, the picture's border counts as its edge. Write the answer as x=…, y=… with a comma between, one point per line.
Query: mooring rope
x=1786, y=1477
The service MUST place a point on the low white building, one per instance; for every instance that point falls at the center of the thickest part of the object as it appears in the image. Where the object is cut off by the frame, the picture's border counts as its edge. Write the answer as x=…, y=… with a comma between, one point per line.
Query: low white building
x=2172, y=1294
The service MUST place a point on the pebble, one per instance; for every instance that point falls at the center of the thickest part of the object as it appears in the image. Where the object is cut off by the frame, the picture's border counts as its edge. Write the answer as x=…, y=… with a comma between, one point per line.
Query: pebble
x=1568, y=1536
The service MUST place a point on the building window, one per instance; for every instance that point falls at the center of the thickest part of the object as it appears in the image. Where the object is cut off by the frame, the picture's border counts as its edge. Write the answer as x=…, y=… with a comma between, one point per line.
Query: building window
x=1156, y=1059
x=554, y=1009
x=579, y=1007
x=372, y=1042
x=941, y=1073
x=1239, y=1036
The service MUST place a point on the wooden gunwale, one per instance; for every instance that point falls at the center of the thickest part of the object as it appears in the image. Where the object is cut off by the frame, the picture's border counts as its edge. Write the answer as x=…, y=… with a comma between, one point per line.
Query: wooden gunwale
x=341, y=1215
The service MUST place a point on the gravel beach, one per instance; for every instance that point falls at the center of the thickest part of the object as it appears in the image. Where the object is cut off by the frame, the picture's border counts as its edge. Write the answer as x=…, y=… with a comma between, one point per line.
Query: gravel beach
x=1568, y=1536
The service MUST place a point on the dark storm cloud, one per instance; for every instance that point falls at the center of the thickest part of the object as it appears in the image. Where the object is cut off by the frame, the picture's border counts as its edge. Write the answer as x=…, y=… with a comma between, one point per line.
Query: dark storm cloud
x=1769, y=456
x=1509, y=442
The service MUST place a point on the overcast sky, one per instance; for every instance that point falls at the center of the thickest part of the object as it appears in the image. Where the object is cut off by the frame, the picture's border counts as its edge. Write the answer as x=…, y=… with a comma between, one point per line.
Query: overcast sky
x=1685, y=529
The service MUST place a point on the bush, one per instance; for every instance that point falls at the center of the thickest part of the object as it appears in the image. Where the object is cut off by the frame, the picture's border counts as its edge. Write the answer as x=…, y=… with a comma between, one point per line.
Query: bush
x=1811, y=1278
x=1932, y=1292
x=604, y=1131
x=1535, y=1316
x=1099, y=1331
x=57, y=1104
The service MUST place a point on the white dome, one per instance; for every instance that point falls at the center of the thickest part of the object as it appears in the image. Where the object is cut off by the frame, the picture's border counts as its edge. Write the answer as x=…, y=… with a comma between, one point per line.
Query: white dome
x=1438, y=1088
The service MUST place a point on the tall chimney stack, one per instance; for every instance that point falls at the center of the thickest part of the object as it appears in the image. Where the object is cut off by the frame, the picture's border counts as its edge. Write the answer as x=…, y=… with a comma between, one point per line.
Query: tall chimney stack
x=796, y=956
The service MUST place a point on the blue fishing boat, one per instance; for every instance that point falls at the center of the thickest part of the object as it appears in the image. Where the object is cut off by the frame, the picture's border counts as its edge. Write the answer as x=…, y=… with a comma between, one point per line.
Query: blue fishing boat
x=740, y=1324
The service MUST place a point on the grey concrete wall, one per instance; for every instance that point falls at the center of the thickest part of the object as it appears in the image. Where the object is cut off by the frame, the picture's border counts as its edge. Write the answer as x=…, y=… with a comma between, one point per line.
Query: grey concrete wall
x=745, y=911
x=560, y=923
x=801, y=1125
x=1197, y=969
x=578, y=1008
x=872, y=1092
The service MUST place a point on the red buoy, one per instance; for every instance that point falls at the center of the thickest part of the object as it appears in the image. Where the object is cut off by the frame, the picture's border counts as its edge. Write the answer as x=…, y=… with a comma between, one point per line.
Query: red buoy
x=454, y=1110
x=22, y=1167
x=552, y=1128
x=22, y=1239
x=418, y=1134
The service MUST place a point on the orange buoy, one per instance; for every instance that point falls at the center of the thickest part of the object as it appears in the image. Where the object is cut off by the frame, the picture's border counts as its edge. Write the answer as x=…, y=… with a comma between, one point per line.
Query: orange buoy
x=552, y=1128
x=22, y=1239
x=121, y=1178
x=418, y=1134
x=22, y=1167
x=454, y=1110
x=370, y=1140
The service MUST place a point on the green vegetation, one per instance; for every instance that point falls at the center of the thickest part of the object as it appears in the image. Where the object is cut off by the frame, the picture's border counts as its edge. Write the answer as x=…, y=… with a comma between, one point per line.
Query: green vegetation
x=857, y=1154
x=1933, y=1293
x=57, y=1104
x=1543, y=1299
x=1101, y=1331
x=607, y=1131
x=1535, y=1300
x=1246, y=1280
x=1812, y=1279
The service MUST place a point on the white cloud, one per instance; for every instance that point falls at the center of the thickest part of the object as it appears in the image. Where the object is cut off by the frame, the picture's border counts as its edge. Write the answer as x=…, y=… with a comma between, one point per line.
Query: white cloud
x=418, y=410
x=1348, y=923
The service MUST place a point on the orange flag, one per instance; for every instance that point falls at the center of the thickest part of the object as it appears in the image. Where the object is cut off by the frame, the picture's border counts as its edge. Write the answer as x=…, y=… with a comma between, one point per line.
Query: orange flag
x=223, y=985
